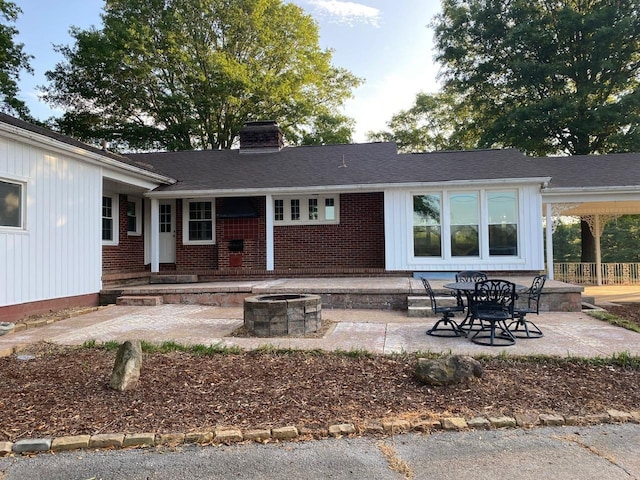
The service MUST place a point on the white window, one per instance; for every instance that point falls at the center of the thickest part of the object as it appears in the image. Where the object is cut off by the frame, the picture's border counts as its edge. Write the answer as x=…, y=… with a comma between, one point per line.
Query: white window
x=109, y=219
x=198, y=222
x=11, y=204
x=306, y=210
x=480, y=224
x=134, y=216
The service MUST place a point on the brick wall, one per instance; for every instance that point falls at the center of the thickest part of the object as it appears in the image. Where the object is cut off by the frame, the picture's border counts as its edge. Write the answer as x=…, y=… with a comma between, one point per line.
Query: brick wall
x=128, y=255
x=192, y=257
x=357, y=242
x=253, y=233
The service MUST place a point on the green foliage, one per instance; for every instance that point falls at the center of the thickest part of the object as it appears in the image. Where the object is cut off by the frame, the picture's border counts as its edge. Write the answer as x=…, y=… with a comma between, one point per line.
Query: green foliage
x=435, y=122
x=545, y=77
x=187, y=74
x=619, y=241
x=329, y=129
x=13, y=60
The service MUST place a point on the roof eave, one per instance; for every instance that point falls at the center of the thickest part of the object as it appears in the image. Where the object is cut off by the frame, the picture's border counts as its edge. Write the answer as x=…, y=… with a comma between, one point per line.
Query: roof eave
x=362, y=187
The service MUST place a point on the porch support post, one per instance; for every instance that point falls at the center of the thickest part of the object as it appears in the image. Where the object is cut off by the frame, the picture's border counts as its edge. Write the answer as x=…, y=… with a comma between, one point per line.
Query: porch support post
x=269, y=231
x=598, y=232
x=549, y=237
x=155, y=235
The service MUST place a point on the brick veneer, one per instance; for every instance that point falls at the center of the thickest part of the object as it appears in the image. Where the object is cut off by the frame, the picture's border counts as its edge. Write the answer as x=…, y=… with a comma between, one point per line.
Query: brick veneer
x=356, y=242
x=190, y=257
x=128, y=255
x=251, y=230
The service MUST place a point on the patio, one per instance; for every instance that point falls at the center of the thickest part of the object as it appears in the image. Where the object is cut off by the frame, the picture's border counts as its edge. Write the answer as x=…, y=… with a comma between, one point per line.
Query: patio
x=377, y=331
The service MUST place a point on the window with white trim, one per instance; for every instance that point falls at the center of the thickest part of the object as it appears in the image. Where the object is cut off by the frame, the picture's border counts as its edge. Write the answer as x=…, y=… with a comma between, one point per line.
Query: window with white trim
x=198, y=222
x=306, y=210
x=109, y=219
x=11, y=204
x=134, y=216
x=480, y=224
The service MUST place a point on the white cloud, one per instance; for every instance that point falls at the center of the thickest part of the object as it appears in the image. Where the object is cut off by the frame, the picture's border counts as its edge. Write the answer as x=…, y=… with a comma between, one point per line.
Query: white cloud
x=347, y=12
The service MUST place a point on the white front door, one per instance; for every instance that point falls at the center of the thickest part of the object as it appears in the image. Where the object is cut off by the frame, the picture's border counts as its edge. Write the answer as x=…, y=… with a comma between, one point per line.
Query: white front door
x=168, y=231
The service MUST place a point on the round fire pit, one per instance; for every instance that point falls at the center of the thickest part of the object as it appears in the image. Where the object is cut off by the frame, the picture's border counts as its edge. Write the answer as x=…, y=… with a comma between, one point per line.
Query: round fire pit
x=279, y=315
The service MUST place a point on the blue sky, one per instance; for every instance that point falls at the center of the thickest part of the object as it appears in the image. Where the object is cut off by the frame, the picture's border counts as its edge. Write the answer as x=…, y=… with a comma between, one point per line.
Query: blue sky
x=386, y=42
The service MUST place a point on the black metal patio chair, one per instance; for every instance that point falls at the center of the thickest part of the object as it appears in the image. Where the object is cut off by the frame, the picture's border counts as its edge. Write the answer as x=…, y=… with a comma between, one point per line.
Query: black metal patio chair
x=493, y=304
x=471, y=276
x=520, y=327
x=446, y=326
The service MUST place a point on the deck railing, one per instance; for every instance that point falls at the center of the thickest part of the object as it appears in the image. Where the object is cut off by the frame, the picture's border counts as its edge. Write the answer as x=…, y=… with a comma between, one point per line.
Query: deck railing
x=585, y=273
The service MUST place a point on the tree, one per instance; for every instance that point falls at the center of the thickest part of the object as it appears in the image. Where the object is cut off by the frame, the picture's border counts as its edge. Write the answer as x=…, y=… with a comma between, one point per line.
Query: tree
x=545, y=76
x=329, y=129
x=434, y=122
x=13, y=60
x=185, y=74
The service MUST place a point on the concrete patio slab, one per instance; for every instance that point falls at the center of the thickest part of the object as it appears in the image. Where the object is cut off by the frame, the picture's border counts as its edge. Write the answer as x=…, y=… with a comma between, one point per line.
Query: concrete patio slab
x=377, y=331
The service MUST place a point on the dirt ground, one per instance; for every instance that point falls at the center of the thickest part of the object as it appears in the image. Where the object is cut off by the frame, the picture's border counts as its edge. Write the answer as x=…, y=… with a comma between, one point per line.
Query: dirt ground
x=64, y=391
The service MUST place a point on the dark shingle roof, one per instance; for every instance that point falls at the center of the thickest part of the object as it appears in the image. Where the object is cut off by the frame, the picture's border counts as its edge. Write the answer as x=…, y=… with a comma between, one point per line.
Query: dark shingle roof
x=332, y=166
x=591, y=171
x=30, y=127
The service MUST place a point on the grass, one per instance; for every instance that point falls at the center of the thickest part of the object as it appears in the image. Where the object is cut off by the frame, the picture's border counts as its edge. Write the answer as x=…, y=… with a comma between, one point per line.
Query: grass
x=615, y=320
x=622, y=359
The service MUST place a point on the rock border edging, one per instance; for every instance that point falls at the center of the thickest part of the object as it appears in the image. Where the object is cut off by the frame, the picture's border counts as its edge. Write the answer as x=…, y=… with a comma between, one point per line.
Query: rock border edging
x=230, y=435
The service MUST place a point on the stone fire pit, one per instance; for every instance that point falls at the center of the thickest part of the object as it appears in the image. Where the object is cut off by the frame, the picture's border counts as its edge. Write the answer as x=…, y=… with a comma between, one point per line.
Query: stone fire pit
x=279, y=315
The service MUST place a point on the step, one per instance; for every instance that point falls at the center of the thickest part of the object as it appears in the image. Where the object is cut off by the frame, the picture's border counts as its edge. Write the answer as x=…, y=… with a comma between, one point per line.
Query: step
x=140, y=300
x=170, y=278
x=419, y=312
x=446, y=301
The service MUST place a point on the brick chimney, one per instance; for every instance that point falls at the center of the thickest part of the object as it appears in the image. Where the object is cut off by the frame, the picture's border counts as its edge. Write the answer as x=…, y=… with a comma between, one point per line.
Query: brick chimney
x=261, y=137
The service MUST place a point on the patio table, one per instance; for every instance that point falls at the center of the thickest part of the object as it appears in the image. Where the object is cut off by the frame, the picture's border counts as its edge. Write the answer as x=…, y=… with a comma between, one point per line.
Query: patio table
x=468, y=289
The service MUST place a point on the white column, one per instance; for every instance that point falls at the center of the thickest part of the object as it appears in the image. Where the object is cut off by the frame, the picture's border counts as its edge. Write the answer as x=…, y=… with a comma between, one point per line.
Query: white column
x=597, y=232
x=549, y=236
x=269, y=232
x=155, y=235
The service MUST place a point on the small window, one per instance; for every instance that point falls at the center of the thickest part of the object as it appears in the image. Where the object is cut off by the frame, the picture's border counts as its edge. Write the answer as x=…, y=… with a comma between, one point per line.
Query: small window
x=295, y=209
x=198, y=222
x=427, y=236
x=503, y=223
x=11, y=204
x=329, y=209
x=109, y=223
x=306, y=210
x=313, y=209
x=134, y=217
x=279, y=210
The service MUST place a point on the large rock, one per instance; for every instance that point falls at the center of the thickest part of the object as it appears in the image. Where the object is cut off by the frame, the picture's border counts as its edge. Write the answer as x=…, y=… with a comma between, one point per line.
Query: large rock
x=126, y=369
x=448, y=370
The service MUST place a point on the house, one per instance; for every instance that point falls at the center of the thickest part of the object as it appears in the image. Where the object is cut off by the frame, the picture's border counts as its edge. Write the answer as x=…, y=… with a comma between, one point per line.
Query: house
x=267, y=209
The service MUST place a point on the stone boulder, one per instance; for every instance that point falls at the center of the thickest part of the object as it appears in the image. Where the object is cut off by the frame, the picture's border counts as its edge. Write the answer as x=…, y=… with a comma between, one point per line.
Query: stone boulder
x=6, y=327
x=126, y=369
x=448, y=370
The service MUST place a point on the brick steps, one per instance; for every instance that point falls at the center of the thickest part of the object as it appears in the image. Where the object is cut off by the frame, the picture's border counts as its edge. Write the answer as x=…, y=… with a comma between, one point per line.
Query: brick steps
x=420, y=306
x=173, y=278
x=140, y=300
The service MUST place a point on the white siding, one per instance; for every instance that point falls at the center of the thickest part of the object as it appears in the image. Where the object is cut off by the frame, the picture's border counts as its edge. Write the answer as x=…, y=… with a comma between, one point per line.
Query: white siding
x=58, y=254
x=398, y=211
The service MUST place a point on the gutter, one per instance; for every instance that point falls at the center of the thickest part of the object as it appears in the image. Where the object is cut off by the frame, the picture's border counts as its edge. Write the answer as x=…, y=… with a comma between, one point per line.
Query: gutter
x=231, y=192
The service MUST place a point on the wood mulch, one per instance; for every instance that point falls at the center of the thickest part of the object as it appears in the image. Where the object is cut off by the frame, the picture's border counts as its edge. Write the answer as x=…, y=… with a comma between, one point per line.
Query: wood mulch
x=64, y=391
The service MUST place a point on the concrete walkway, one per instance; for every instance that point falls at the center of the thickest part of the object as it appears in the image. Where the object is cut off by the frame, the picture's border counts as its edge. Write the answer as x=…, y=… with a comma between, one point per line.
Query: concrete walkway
x=378, y=331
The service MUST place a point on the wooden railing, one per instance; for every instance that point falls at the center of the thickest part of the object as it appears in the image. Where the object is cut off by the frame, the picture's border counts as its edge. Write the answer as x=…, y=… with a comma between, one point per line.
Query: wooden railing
x=585, y=273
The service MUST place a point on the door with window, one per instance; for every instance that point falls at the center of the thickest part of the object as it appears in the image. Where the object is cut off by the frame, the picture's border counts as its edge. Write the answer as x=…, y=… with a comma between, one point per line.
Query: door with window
x=168, y=231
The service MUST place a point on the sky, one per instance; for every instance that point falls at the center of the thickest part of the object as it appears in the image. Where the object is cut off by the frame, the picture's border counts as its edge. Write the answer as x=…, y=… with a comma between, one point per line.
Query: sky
x=386, y=42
